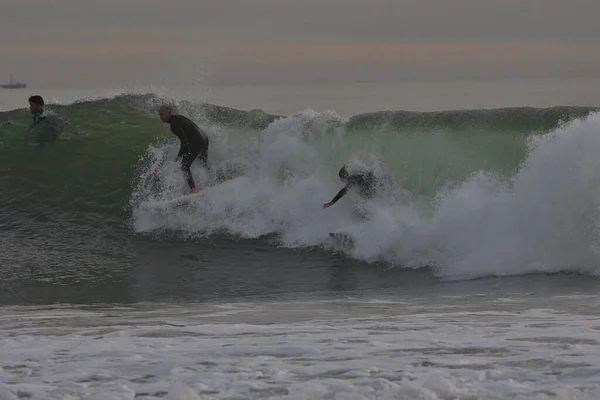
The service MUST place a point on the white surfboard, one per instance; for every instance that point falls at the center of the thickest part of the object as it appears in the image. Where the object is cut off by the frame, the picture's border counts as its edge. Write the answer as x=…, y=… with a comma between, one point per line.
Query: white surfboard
x=342, y=238
x=177, y=201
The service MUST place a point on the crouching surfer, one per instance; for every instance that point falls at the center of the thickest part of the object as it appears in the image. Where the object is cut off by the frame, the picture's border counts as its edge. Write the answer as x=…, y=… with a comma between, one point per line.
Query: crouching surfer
x=194, y=142
x=365, y=183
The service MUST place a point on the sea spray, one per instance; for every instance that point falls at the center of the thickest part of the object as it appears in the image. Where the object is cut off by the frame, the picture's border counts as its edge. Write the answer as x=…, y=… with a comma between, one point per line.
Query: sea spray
x=469, y=193
x=474, y=220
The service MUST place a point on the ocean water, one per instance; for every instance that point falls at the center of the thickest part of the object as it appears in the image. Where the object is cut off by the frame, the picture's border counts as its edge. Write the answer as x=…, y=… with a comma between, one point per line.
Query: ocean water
x=474, y=275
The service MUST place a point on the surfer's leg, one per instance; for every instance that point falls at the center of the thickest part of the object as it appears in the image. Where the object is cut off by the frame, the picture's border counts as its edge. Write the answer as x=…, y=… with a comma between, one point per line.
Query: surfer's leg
x=203, y=156
x=186, y=163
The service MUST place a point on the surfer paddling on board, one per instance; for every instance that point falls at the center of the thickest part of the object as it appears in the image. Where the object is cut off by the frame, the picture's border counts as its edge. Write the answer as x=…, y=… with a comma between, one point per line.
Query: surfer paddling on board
x=365, y=182
x=194, y=142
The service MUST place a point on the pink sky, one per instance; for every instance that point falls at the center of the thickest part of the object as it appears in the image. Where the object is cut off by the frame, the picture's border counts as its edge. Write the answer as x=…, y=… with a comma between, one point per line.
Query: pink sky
x=57, y=43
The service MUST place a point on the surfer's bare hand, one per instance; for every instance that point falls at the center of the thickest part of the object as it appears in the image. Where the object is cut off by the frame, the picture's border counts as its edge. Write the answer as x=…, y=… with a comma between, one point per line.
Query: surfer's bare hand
x=326, y=205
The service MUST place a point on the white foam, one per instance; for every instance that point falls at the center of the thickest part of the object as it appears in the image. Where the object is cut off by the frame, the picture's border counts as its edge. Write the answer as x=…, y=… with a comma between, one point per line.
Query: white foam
x=544, y=219
x=354, y=350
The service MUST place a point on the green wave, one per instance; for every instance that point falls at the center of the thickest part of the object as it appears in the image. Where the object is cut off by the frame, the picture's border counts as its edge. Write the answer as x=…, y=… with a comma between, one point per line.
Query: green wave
x=94, y=166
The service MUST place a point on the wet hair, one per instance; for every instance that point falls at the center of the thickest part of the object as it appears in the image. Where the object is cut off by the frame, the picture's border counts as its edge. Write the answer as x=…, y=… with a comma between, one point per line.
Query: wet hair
x=343, y=172
x=169, y=108
x=36, y=100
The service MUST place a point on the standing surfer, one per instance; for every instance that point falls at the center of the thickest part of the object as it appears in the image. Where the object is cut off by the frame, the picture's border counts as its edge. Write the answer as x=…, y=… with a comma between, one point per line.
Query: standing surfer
x=194, y=142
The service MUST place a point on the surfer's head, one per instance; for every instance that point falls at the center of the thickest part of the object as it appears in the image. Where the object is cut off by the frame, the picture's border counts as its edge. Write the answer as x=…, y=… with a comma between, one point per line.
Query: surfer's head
x=165, y=112
x=36, y=104
x=344, y=174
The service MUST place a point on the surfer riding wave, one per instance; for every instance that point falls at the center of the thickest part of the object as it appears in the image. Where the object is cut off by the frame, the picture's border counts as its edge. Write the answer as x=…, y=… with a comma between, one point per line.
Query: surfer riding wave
x=194, y=142
x=364, y=183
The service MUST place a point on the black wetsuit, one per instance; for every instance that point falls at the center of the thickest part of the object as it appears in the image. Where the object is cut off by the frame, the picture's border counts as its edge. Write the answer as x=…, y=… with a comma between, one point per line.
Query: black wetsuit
x=365, y=182
x=194, y=144
x=38, y=116
x=46, y=126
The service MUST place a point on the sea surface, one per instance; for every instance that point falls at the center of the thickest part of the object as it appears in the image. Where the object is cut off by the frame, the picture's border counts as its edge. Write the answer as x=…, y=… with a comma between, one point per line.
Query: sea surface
x=473, y=276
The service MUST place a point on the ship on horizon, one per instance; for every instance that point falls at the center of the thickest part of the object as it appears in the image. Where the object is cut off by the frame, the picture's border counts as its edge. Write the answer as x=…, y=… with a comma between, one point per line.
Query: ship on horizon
x=15, y=85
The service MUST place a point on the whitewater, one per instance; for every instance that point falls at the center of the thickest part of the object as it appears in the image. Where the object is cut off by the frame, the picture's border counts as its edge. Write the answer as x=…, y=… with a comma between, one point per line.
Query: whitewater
x=453, y=347
x=473, y=275
x=467, y=224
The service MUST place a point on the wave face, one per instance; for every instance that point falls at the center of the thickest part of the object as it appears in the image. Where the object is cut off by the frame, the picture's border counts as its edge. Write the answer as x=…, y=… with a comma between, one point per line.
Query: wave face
x=468, y=193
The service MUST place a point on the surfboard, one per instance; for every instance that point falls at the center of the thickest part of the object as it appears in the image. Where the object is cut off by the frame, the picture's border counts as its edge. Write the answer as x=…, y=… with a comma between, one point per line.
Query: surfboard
x=342, y=237
x=177, y=201
x=184, y=198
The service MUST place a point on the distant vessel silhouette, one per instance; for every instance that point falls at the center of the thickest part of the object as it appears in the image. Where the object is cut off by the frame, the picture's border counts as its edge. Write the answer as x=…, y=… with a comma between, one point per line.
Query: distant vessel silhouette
x=15, y=85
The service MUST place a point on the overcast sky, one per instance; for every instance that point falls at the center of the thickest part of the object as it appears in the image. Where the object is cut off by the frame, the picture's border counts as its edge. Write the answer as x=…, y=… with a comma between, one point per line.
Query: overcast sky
x=108, y=43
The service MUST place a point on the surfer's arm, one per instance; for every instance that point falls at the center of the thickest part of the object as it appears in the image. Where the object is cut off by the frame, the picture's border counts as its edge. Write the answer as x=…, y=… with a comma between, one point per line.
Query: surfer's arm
x=182, y=149
x=338, y=196
x=179, y=131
